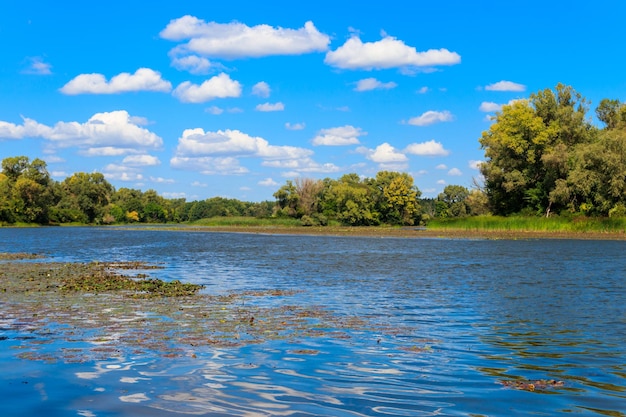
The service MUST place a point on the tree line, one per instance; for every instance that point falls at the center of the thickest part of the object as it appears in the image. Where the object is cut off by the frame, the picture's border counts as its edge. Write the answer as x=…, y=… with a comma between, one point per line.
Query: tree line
x=29, y=195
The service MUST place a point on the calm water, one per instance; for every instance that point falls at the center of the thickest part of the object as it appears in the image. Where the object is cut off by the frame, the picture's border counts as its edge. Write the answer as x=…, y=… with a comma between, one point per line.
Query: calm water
x=479, y=312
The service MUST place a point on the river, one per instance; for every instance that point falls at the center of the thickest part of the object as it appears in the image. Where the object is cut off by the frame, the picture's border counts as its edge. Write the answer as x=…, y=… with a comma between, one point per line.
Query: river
x=451, y=327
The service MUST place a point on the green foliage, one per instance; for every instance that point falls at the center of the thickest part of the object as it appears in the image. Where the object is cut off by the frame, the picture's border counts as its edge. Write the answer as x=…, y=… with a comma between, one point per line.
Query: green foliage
x=390, y=198
x=529, y=148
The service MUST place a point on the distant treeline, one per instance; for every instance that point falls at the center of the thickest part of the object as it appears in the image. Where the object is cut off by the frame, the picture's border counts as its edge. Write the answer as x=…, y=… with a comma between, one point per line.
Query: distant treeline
x=29, y=195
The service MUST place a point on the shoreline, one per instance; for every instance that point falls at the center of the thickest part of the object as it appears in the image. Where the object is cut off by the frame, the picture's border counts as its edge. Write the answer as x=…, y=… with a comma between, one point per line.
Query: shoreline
x=404, y=232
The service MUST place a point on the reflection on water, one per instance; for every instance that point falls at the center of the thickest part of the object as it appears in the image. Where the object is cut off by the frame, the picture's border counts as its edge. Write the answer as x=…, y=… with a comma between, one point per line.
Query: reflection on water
x=445, y=327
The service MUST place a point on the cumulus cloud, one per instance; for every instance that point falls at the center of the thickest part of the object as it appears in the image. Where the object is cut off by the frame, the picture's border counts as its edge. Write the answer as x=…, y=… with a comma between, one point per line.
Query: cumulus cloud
x=220, y=153
x=198, y=143
x=455, y=172
x=368, y=84
x=261, y=89
x=266, y=107
x=144, y=79
x=338, y=136
x=268, y=182
x=219, y=86
x=489, y=106
x=37, y=66
x=386, y=156
x=389, y=52
x=116, y=172
x=104, y=133
x=505, y=86
x=193, y=63
x=423, y=90
x=208, y=165
x=441, y=166
x=141, y=160
x=237, y=40
x=430, y=117
x=295, y=126
x=430, y=148
x=301, y=165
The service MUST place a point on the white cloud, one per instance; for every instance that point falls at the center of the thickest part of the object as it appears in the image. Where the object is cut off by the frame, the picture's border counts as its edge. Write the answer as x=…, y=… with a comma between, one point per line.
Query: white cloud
x=385, y=153
x=430, y=117
x=489, y=106
x=441, y=166
x=430, y=148
x=386, y=53
x=196, y=143
x=174, y=195
x=107, y=151
x=268, y=182
x=295, y=126
x=455, y=172
x=161, y=180
x=261, y=89
x=386, y=156
x=267, y=107
x=209, y=165
x=214, y=110
x=300, y=165
x=475, y=164
x=441, y=182
x=199, y=184
x=121, y=173
x=423, y=90
x=144, y=79
x=28, y=129
x=193, y=63
x=368, y=84
x=219, y=86
x=237, y=40
x=36, y=66
x=104, y=133
x=141, y=160
x=338, y=136
x=505, y=86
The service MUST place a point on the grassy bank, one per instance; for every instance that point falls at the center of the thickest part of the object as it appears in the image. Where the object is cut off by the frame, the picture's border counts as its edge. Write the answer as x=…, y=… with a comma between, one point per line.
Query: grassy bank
x=532, y=224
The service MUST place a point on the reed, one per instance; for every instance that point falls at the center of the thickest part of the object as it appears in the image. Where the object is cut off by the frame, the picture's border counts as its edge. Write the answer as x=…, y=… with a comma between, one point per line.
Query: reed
x=533, y=224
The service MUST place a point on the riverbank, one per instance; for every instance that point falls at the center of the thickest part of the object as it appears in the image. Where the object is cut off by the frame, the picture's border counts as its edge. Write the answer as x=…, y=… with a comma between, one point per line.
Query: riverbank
x=409, y=232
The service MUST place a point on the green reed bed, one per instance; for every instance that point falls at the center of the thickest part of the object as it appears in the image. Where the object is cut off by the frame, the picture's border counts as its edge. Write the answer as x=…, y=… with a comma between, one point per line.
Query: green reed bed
x=532, y=224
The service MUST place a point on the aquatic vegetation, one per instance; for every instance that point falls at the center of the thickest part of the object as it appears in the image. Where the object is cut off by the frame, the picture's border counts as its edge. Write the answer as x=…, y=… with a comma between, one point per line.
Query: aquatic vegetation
x=5, y=256
x=534, y=385
x=95, y=312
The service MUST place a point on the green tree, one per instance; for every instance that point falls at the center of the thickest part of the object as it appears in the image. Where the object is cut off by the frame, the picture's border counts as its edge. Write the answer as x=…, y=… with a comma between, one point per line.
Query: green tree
x=397, y=198
x=87, y=193
x=528, y=148
x=454, y=199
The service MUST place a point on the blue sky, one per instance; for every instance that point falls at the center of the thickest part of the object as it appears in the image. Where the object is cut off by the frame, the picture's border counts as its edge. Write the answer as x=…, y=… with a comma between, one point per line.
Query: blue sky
x=198, y=99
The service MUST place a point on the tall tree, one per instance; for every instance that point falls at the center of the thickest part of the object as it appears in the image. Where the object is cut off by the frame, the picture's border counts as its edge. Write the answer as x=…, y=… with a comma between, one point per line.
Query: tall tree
x=88, y=193
x=528, y=148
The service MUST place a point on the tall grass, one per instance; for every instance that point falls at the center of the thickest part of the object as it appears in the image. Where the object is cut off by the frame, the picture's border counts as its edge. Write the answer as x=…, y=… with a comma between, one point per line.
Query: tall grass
x=536, y=224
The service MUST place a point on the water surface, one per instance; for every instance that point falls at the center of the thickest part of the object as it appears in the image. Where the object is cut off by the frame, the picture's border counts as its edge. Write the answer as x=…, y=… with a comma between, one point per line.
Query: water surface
x=446, y=327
